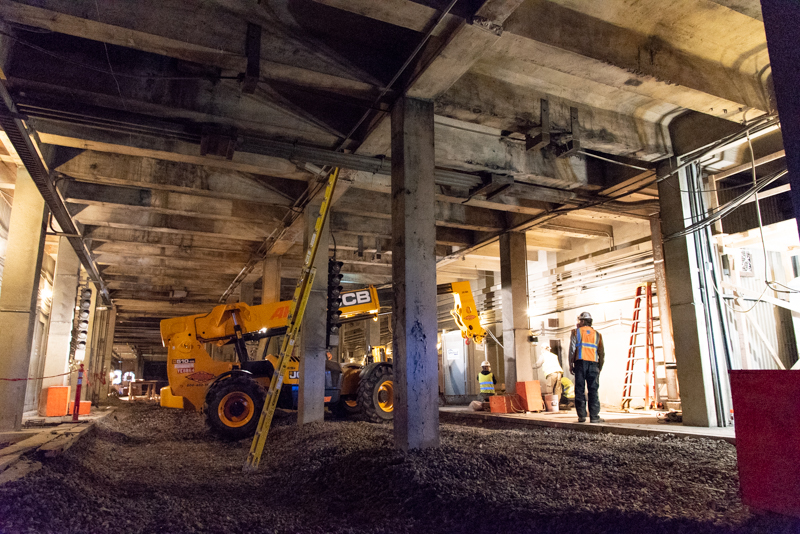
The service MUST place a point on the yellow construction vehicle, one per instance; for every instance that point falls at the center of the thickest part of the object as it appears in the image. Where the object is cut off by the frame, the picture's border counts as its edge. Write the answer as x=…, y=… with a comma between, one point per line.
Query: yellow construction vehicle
x=368, y=388
x=232, y=393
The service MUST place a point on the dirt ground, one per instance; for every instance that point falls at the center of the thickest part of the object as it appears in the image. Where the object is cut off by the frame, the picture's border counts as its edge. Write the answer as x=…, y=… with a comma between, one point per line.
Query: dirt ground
x=150, y=470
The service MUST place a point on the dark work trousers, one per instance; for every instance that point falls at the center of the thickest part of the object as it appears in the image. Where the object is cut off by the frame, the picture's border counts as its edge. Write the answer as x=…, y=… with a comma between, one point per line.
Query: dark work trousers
x=587, y=374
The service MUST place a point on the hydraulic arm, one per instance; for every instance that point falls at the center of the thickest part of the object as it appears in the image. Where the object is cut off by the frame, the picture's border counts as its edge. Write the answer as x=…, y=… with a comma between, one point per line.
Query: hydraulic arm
x=464, y=312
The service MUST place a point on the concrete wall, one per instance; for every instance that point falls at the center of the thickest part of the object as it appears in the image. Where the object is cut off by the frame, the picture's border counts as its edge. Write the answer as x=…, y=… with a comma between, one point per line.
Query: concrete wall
x=608, y=294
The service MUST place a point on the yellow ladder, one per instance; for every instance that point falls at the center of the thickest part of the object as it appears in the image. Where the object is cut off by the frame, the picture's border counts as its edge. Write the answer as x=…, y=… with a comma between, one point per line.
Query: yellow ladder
x=295, y=319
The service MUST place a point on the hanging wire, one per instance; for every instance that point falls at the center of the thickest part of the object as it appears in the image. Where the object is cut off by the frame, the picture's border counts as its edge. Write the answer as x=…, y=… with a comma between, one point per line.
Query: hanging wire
x=767, y=280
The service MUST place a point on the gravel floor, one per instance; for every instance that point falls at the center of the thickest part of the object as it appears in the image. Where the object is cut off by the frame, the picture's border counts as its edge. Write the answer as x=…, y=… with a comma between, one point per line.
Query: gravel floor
x=148, y=470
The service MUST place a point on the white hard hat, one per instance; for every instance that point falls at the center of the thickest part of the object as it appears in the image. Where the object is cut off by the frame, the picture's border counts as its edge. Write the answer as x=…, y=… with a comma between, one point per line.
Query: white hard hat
x=485, y=363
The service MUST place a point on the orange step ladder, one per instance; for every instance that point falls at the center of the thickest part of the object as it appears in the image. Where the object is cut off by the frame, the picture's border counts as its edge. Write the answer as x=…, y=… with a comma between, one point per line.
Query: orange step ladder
x=642, y=348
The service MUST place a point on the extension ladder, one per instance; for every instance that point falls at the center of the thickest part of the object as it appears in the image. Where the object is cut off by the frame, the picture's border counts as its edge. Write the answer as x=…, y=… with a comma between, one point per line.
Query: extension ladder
x=647, y=363
x=295, y=319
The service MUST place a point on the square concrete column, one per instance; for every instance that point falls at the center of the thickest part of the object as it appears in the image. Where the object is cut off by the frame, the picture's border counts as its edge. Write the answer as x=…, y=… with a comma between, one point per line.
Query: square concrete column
x=246, y=293
x=271, y=279
x=783, y=35
x=62, y=313
x=372, y=330
x=689, y=326
x=270, y=290
x=311, y=401
x=18, y=296
x=416, y=377
x=107, y=353
x=514, y=282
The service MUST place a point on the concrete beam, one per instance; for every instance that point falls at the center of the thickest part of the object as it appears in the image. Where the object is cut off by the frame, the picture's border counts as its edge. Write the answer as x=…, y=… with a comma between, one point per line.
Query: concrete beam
x=138, y=200
x=121, y=251
x=197, y=180
x=158, y=222
x=719, y=71
x=461, y=195
x=373, y=204
x=149, y=29
x=133, y=264
x=106, y=234
x=476, y=98
x=416, y=413
x=218, y=102
x=88, y=138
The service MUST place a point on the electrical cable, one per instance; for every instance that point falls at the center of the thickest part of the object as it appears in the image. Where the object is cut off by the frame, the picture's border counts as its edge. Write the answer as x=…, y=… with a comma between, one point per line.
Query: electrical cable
x=767, y=281
x=729, y=207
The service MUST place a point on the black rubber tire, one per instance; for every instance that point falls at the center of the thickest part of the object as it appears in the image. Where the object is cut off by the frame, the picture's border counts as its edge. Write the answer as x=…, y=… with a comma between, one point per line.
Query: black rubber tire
x=369, y=392
x=249, y=391
x=343, y=410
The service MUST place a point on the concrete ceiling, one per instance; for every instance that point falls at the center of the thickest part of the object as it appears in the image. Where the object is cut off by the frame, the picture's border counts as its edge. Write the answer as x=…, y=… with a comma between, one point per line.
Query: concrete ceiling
x=179, y=176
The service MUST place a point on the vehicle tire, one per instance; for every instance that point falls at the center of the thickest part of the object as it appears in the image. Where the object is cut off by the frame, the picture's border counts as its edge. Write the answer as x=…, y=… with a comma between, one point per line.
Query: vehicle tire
x=233, y=407
x=376, y=394
x=346, y=407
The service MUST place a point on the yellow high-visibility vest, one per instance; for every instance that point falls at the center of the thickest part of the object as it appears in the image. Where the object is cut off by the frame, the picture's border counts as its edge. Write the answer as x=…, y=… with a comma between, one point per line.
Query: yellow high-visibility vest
x=486, y=382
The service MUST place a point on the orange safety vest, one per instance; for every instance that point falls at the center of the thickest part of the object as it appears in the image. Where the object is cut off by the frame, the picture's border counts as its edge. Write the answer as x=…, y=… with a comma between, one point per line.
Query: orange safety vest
x=586, y=348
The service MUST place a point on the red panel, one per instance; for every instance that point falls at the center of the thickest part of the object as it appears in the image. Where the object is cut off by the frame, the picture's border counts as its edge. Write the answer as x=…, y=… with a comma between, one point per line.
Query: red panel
x=766, y=407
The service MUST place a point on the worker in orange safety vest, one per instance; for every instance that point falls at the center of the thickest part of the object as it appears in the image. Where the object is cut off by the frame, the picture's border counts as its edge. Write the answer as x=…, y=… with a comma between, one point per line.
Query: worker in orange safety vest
x=586, y=355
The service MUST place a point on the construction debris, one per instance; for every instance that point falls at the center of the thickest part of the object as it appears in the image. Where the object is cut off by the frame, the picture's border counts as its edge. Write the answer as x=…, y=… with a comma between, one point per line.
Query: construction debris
x=145, y=469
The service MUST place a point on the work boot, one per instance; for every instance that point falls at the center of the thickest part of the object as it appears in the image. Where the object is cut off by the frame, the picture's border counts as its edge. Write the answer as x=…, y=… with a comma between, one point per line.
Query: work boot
x=597, y=420
x=581, y=419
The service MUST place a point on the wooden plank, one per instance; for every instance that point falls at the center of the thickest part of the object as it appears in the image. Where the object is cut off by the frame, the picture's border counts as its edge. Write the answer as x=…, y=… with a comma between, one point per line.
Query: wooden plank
x=60, y=444
x=19, y=470
x=8, y=461
x=28, y=444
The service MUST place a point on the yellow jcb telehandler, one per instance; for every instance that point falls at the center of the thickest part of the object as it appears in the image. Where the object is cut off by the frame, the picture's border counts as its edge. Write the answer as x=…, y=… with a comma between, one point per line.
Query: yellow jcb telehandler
x=232, y=393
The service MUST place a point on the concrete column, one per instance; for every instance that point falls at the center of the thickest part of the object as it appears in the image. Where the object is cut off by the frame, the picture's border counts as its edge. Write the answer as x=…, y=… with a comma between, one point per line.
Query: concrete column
x=514, y=282
x=373, y=332
x=108, y=354
x=246, y=293
x=416, y=377
x=686, y=303
x=101, y=354
x=311, y=401
x=783, y=36
x=18, y=296
x=271, y=279
x=270, y=289
x=65, y=291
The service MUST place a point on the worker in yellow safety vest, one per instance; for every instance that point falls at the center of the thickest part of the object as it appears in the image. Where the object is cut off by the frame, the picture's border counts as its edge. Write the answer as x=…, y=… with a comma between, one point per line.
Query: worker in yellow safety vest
x=586, y=355
x=486, y=380
x=567, y=393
